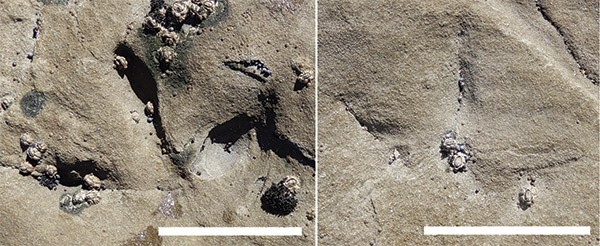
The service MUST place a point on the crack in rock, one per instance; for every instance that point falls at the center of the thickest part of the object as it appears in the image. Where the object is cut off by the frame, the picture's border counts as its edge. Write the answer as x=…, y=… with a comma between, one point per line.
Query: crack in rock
x=571, y=48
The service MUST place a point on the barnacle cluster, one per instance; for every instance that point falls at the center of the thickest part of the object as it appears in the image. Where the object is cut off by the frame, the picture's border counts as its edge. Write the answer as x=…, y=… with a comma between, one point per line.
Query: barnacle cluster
x=120, y=63
x=280, y=199
x=458, y=154
x=45, y=173
x=167, y=20
x=74, y=203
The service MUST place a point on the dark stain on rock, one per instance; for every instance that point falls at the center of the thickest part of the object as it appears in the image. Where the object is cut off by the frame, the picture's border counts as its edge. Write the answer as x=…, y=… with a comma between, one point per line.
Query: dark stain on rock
x=32, y=103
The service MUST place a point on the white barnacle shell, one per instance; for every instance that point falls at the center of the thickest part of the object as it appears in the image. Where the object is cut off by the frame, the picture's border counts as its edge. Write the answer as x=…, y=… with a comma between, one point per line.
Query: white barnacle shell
x=166, y=54
x=34, y=153
x=210, y=5
x=526, y=197
x=291, y=182
x=51, y=171
x=152, y=23
x=458, y=161
x=41, y=146
x=79, y=197
x=26, y=139
x=92, y=181
x=26, y=168
x=149, y=108
x=169, y=37
x=66, y=201
x=179, y=10
x=92, y=197
x=120, y=63
x=449, y=143
x=305, y=77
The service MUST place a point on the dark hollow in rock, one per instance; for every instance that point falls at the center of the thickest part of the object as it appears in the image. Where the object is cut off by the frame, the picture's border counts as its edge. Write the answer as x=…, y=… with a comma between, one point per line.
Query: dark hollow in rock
x=32, y=103
x=143, y=84
x=299, y=85
x=140, y=77
x=72, y=173
x=255, y=69
x=269, y=138
x=232, y=130
x=279, y=200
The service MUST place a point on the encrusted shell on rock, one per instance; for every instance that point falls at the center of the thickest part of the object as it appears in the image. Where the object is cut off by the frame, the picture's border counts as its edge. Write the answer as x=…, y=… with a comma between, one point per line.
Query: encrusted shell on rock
x=179, y=10
x=26, y=168
x=51, y=171
x=92, y=197
x=26, y=139
x=291, y=182
x=36, y=151
x=165, y=55
x=149, y=110
x=280, y=198
x=526, y=197
x=92, y=182
x=305, y=78
x=120, y=63
x=88, y=196
x=168, y=37
x=459, y=161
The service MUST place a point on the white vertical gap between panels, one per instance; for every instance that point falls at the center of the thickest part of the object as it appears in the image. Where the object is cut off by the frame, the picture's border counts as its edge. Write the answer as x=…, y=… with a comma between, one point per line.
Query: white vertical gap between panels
x=316, y=119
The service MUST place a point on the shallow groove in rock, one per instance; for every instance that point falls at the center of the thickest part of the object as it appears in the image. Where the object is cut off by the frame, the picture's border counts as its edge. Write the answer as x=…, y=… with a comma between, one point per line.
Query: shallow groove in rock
x=571, y=48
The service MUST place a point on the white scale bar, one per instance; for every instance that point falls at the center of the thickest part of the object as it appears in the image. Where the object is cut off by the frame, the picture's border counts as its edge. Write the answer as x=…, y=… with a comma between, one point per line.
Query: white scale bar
x=507, y=230
x=230, y=231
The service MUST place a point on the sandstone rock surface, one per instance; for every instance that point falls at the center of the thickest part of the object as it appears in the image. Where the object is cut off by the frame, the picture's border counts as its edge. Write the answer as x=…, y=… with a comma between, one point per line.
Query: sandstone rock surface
x=390, y=76
x=57, y=63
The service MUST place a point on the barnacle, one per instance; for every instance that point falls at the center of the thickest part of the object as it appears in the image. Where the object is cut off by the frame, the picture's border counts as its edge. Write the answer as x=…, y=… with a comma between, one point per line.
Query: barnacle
x=120, y=63
x=525, y=198
x=169, y=38
x=305, y=78
x=92, y=182
x=26, y=139
x=75, y=203
x=179, y=10
x=149, y=108
x=458, y=154
x=165, y=55
x=280, y=199
x=36, y=151
x=26, y=168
